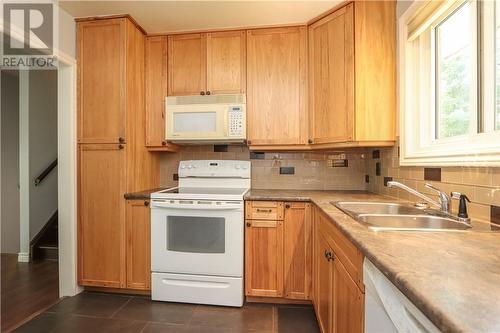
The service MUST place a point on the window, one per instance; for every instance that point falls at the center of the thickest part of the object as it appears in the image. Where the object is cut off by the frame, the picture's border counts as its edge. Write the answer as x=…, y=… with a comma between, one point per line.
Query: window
x=450, y=83
x=454, y=66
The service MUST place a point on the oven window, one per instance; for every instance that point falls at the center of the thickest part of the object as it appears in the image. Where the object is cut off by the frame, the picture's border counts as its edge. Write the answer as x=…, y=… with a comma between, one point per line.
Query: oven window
x=195, y=122
x=196, y=234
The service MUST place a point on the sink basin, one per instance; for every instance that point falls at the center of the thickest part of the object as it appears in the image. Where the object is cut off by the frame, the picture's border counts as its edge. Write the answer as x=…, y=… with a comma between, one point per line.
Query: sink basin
x=410, y=222
x=395, y=216
x=356, y=208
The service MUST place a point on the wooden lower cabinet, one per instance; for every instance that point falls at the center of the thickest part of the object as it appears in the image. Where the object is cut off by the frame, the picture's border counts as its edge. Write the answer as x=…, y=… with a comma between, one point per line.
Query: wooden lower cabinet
x=264, y=258
x=297, y=251
x=337, y=298
x=101, y=222
x=278, y=251
x=138, y=251
x=323, y=283
x=348, y=305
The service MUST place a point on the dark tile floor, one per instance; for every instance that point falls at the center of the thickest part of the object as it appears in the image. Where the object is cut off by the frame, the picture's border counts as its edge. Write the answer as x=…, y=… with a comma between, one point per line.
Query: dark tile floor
x=97, y=312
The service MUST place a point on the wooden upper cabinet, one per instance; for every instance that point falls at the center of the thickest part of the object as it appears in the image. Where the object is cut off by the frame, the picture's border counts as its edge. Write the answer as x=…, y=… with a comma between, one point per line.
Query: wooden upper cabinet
x=264, y=258
x=101, y=220
x=138, y=245
x=186, y=64
x=297, y=254
x=226, y=62
x=277, y=86
x=207, y=63
x=156, y=92
x=375, y=75
x=331, y=74
x=101, y=80
x=352, y=76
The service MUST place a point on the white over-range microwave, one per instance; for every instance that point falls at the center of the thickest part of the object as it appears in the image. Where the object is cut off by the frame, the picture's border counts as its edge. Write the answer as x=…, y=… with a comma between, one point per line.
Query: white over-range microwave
x=206, y=119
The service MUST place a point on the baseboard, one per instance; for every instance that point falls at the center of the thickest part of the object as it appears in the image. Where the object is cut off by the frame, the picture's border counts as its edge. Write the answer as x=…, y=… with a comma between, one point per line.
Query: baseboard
x=276, y=300
x=23, y=257
x=118, y=290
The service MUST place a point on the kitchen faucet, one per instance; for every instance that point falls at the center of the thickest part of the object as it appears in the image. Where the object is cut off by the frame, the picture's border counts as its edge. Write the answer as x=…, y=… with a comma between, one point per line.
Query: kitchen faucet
x=444, y=199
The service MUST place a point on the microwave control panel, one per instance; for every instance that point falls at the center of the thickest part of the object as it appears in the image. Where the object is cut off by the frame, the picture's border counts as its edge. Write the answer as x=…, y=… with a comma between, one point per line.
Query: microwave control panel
x=236, y=121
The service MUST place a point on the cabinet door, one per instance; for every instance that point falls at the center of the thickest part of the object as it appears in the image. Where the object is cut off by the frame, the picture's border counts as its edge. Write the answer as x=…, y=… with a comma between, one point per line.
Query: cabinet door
x=276, y=90
x=156, y=90
x=101, y=228
x=101, y=81
x=186, y=64
x=138, y=245
x=226, y=62
x=331, y=73
x=264, y=258
x=348, y=302
x=324, y=284
x=297, y=250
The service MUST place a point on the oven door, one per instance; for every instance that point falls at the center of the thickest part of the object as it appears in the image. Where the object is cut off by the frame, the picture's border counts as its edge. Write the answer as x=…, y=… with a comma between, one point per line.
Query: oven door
x=197, y=237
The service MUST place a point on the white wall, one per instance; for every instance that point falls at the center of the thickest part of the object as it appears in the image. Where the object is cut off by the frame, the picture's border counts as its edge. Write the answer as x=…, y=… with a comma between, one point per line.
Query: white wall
x=68, y=285
x=402, y=6
x=42, y=146
x=9, y=225
x=67, y=33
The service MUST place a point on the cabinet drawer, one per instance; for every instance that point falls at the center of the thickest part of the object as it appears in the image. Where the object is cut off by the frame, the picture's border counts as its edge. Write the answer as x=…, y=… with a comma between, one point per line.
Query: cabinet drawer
x=264, y=210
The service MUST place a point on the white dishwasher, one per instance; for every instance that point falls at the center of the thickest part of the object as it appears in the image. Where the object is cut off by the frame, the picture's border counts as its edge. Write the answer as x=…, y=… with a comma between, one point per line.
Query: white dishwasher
x=387, y=310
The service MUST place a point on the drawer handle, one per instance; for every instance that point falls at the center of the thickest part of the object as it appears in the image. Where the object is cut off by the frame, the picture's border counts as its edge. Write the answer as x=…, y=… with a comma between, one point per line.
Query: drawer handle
x=329, y=256
x=264, y=210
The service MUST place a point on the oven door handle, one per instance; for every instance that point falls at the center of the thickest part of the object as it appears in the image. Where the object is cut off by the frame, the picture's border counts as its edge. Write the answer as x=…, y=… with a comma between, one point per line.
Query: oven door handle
x=195, y=205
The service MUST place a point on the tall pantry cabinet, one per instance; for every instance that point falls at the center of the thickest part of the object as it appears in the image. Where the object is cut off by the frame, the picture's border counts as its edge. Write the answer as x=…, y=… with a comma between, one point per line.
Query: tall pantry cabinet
x=112, y=157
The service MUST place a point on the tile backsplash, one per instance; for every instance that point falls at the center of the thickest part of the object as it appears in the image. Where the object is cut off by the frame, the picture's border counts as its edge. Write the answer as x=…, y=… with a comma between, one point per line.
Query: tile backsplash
x=365, y=170
x=480, y=184
x=311, y=170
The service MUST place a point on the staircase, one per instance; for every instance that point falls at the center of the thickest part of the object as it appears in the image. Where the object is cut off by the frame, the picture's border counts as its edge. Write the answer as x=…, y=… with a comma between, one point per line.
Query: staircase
x=44, y=245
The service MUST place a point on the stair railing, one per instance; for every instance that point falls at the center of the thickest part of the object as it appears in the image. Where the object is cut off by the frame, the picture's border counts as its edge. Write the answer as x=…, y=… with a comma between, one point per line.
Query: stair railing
x=45, y=173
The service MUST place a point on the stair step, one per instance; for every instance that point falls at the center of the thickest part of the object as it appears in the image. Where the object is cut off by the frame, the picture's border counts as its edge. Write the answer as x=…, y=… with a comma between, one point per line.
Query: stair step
x=48, y=246
x=48, y=253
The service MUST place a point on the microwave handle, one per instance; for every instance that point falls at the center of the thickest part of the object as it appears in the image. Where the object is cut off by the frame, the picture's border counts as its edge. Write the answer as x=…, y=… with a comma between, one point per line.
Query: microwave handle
x=195, y=205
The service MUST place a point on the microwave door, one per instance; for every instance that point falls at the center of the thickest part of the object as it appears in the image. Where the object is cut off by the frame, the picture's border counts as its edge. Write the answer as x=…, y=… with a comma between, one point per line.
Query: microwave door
x=196, y=124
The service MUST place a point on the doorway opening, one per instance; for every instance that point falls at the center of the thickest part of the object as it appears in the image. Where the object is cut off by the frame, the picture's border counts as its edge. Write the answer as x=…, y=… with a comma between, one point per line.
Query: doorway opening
x=29, y=194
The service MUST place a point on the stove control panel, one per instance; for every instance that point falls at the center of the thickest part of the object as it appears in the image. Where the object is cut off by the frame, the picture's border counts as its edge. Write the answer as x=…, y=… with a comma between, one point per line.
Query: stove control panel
x=214, y=169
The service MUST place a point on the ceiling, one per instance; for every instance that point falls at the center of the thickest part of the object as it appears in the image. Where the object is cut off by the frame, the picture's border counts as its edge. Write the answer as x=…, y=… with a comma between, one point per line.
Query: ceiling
x=175, y=16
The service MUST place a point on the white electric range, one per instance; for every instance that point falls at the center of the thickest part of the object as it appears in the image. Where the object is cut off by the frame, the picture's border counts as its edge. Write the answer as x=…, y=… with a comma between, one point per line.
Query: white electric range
x=197, y=234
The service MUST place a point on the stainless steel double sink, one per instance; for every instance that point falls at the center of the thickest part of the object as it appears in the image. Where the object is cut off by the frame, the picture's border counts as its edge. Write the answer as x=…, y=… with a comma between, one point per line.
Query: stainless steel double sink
x=395, y=216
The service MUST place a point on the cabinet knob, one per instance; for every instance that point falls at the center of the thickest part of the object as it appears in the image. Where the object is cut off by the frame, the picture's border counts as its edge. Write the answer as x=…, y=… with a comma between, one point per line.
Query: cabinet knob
x=208, y=92
x=164, y=143
x=121, y=146
x=329, y=255
x=249, y=142
x=121, y=140
x=310, y=141
x=146, y=203
x=249, y=224
x=202, y=93
x=287, y=206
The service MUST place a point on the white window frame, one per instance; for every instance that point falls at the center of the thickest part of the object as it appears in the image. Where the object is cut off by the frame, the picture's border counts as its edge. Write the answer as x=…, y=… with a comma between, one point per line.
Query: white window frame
x=417, y=143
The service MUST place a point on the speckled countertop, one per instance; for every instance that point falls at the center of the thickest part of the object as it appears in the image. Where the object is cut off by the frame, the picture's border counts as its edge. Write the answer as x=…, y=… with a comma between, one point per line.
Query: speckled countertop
x=452, y=277
x=141, y=195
